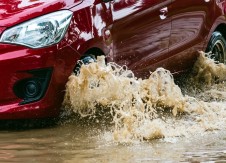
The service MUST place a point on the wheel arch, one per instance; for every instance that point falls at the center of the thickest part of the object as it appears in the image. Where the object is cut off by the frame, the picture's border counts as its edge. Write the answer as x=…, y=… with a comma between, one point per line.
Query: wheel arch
x=94, y=51
x=217, y=44
x=222, y=29
x=218, y=25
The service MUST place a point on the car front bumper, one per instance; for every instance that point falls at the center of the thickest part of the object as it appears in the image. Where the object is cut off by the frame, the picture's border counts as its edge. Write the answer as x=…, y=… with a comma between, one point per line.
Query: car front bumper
x=19, y=63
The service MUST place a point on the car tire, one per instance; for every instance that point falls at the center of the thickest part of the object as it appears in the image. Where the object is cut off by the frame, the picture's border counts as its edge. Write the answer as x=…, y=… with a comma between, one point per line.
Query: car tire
x=217, y=47
x=86, y=59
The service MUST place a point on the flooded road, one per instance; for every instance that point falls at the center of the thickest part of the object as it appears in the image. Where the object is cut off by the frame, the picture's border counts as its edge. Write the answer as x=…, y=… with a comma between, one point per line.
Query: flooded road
x=75, y=143
x=111, y=116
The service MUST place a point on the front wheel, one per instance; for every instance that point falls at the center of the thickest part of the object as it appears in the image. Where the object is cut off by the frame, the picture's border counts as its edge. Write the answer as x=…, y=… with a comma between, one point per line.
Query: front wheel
x=86, y=59
x=217, y=47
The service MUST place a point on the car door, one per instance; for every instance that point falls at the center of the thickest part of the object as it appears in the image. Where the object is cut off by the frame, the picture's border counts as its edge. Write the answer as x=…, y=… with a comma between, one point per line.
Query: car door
x=141, y=32
x=191, y=22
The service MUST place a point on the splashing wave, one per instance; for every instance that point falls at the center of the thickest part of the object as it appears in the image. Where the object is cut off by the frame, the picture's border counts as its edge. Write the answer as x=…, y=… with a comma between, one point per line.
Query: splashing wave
x=154, y=107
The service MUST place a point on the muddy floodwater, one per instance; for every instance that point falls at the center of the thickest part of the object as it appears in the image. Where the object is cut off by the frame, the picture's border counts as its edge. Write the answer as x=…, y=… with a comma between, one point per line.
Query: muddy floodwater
x=108, y=115
x=74, y=143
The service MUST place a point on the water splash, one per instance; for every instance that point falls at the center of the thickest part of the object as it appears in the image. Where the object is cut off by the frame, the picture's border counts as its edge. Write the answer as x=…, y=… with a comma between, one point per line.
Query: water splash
x=150, y=108
x=208, y=71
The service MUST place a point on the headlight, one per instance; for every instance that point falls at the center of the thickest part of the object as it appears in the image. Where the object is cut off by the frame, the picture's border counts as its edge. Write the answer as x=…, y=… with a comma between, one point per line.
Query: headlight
x=39, y=32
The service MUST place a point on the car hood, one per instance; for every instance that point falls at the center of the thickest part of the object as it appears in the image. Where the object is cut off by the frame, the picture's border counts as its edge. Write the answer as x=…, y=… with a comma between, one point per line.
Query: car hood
x=13, y=12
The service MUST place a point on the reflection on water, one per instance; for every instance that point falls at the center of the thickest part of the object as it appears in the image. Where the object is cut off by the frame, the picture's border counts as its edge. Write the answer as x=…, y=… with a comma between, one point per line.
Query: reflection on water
x=75, y=143
x=131, y=120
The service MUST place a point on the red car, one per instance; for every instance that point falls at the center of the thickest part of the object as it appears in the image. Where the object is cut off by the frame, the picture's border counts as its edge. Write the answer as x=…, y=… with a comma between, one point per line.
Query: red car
x=42, y=40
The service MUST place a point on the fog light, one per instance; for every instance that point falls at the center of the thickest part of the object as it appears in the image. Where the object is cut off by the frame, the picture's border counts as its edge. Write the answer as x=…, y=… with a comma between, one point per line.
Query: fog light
x=32, y=88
